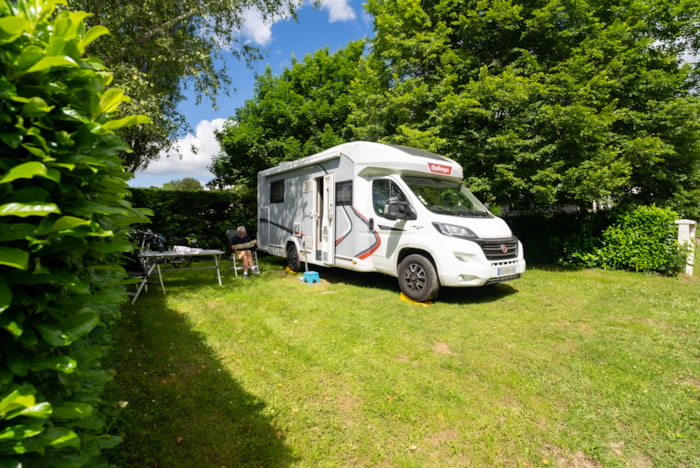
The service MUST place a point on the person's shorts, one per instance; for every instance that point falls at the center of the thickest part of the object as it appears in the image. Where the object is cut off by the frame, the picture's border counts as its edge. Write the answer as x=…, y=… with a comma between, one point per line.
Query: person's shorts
x=240, y=254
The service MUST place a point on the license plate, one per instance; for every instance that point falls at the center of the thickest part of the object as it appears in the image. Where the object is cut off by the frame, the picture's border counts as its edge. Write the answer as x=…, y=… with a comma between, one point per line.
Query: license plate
x=506, y=270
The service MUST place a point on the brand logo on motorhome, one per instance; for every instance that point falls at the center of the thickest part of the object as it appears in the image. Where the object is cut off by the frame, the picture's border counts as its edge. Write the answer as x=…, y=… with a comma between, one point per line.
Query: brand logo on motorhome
x=440, y=169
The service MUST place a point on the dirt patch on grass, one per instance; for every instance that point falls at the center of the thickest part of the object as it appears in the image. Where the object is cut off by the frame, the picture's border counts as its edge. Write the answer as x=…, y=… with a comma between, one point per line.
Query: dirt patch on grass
x=652, y=323
x=637, y=460
x=404, y=359
x=641, y=461
x=443, y=448
x=442, y=348
x=348, y=405
x=445, y=435
x=558, y=457
x=691, y=382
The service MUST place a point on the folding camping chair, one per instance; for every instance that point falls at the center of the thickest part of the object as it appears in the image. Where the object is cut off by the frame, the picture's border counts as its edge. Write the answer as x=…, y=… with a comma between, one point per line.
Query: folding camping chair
x=136, y=270
x=234, y=263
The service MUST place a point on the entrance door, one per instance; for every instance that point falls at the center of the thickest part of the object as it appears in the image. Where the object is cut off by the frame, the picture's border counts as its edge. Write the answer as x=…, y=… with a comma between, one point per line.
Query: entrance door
x=389, y=230
x=264, y=227
x=327, y=204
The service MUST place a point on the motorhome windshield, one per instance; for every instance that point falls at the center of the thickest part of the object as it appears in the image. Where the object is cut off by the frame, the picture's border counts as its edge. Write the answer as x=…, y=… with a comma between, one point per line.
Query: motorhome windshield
x=445, y=197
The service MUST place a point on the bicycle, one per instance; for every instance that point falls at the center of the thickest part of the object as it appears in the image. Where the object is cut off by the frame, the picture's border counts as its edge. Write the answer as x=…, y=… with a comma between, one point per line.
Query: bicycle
x=149, y=241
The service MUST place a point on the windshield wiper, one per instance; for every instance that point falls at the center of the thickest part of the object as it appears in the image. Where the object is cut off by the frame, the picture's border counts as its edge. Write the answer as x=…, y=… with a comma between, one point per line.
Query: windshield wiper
x=473, y=213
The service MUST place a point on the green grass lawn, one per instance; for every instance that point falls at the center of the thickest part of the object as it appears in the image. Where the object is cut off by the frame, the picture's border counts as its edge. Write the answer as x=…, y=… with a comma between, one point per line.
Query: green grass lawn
x=560, y=368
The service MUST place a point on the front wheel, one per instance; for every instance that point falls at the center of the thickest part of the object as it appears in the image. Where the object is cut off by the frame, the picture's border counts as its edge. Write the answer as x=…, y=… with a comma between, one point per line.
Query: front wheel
x=418, y=278
x=293, y=261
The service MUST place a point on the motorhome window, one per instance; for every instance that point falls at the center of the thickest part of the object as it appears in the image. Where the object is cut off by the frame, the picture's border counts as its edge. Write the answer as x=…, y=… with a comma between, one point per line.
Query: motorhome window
x=277, y=191
x=343, y=193
x=446, y=197
x=382, y=190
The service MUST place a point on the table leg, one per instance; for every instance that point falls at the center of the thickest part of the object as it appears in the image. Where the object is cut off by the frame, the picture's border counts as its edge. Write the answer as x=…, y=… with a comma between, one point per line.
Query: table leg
x=218, y=271
x=160, y=277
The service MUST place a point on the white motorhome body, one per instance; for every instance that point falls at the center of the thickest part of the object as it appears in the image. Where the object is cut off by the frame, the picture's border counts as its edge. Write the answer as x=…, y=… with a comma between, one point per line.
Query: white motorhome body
x=389, y=209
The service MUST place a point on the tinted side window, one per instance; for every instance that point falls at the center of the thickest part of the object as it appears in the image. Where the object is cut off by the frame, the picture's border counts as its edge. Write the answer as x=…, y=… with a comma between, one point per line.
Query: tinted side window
x=277, y=191
x=343, y=193
x=382, y=190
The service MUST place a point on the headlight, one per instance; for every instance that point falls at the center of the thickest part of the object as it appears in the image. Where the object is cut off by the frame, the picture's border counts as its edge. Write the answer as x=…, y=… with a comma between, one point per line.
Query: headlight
x=455, y=231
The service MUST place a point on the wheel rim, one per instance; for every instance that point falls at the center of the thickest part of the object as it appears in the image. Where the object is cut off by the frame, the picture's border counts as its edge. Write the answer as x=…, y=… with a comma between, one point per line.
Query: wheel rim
x=292, y=257
x=415, y=277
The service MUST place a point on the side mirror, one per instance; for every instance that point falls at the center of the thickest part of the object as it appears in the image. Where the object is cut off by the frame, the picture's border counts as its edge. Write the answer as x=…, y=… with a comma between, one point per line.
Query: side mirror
x=395, y=209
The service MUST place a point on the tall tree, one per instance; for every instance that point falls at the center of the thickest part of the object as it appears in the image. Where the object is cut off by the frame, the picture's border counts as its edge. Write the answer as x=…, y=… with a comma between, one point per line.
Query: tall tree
x=549, y=101
x=158, y=49
x=300, y=112
x=188, y=183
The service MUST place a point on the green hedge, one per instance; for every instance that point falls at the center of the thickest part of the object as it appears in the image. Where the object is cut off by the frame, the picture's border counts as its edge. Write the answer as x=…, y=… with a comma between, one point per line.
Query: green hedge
x=204, y=215
x=642, y=238
x=551, y=238
x=63, y=223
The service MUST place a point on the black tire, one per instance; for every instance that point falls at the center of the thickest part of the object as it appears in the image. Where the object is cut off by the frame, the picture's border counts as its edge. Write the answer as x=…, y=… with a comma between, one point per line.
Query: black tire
x=293, y=261
x=418, y=278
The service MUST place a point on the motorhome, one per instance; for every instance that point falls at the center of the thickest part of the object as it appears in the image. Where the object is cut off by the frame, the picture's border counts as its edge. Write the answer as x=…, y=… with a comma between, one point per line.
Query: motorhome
x=390, y=209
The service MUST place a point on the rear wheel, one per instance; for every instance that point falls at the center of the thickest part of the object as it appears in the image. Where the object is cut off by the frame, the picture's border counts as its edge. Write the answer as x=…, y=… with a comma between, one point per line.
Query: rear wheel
x=293, y=261
x=418, y=278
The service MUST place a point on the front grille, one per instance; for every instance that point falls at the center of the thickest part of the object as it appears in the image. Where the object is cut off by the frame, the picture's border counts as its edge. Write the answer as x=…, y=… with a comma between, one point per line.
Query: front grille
x=499, y=249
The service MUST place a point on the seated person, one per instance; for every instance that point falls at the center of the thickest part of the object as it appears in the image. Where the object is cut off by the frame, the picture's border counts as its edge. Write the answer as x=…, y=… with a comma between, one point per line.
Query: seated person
x=242, y=245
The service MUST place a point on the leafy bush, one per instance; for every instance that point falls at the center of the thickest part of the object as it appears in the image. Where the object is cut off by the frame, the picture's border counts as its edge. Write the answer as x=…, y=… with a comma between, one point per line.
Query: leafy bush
x=642, y=239
x=637, y=239
x=63, y=218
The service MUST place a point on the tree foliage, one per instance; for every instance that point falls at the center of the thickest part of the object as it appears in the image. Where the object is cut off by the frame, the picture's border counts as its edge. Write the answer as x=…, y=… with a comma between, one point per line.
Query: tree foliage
x=188, y=183
x=548, y=102
x=542, y=102
x=63, y=220
x=298, y=113
x=158, y=49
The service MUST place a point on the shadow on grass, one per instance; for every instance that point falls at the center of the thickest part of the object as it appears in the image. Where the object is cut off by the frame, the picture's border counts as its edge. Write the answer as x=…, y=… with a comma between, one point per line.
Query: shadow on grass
x=183, y=408
x=477, y=295
x=389, y=283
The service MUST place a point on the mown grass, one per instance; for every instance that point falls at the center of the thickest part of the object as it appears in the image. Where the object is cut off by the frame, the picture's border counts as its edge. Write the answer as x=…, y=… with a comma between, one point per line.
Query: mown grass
x=560, y=368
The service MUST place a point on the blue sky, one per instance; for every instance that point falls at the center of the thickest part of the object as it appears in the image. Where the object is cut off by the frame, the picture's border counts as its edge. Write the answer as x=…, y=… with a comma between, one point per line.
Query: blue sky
x=332, y=25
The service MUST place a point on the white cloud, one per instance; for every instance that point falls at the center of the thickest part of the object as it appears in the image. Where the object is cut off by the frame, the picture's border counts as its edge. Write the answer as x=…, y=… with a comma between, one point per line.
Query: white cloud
x=254, y=27
x=338, y=10
x=259, y=31
x=197, y=152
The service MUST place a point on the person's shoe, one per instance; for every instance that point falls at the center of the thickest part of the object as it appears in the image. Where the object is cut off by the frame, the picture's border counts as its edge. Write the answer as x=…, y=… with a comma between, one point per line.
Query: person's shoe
x=245, y=275
x=255, y=270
